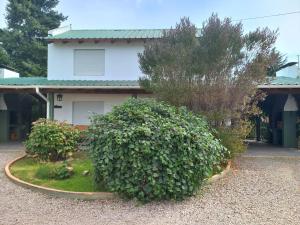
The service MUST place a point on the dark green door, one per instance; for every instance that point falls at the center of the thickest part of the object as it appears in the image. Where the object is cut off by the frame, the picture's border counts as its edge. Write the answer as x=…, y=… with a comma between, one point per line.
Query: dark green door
x=289, y=129
x=4, y=126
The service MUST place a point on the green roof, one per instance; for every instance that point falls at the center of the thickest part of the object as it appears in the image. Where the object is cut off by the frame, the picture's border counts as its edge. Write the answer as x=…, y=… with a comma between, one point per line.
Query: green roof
x=283, y=81
x=109, y=34
x=42, y=81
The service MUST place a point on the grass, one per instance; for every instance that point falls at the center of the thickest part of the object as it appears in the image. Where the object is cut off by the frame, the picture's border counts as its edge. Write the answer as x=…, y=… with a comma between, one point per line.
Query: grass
x=26, y=169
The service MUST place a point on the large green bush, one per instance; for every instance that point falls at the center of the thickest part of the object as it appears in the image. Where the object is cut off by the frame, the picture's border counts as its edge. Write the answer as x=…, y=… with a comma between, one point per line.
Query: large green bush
x=149, y=150
x=52, y=140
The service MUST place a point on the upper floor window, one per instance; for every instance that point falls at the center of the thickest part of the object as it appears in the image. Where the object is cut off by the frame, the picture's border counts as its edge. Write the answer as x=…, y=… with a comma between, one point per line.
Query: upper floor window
x=89, y=62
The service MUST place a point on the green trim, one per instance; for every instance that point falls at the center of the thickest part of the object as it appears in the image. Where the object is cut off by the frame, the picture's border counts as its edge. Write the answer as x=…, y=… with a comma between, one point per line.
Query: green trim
x=42, y=81
x=289, y=129
x=50, y=105
x=283, y=81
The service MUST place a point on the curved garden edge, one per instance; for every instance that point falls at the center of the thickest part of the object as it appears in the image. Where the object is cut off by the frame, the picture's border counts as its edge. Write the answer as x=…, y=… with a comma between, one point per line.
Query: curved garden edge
x=82, y=195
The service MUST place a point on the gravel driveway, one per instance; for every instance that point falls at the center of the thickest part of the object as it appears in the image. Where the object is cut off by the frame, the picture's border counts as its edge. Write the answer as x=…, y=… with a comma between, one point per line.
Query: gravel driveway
x=259, y=191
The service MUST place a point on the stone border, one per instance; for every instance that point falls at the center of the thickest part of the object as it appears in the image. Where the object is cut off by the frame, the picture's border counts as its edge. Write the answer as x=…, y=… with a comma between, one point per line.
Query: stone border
x=82, y=195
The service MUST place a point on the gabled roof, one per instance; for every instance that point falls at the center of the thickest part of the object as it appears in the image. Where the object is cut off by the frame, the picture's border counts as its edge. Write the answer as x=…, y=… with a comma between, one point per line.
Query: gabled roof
x=108, y=34
x=45, y=83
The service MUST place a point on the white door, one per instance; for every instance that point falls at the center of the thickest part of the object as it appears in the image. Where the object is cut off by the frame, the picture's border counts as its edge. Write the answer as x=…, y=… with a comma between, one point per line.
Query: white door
x=84, y=109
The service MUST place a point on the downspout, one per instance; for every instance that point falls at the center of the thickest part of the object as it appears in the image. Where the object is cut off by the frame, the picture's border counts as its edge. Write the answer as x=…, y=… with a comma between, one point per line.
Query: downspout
x=37, y=91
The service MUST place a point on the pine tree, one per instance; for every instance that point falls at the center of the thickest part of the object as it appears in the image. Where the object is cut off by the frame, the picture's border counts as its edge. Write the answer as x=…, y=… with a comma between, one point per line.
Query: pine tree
x=28, y=22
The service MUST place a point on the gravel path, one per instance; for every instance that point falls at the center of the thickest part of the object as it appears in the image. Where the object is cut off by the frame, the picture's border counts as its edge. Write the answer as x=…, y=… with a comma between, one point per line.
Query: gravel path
x=260, y=191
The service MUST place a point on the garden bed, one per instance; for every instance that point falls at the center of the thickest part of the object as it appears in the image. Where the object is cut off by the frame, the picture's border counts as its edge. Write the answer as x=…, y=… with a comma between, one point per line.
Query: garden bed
x=23, y=171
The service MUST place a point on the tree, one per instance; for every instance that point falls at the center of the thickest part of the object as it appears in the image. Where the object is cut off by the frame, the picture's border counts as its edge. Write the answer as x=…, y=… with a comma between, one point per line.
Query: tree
x=4, y=58
x=213, y=70
x=28, y=22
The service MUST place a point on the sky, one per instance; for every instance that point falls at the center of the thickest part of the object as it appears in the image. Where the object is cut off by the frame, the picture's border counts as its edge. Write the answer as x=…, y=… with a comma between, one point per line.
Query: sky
x=122, y=14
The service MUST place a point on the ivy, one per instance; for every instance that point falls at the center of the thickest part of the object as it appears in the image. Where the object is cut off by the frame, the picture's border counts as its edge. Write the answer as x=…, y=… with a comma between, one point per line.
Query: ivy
x=149, y=150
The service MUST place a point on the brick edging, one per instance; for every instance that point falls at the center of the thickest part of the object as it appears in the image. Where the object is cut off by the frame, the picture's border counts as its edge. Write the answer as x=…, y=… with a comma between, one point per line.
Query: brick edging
x=220, y=175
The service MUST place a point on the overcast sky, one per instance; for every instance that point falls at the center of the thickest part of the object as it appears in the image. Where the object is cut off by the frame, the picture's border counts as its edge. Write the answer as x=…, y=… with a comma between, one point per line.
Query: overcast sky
x=114, y=14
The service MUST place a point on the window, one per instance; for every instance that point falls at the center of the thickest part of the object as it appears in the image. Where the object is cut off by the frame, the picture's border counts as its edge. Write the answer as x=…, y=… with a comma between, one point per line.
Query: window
x=89, y=62
x=83, y=110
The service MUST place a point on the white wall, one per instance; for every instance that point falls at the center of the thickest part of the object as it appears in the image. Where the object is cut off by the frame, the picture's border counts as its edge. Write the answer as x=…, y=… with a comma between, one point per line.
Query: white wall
x=65, y=113
x=121, y=60
x=5, y=73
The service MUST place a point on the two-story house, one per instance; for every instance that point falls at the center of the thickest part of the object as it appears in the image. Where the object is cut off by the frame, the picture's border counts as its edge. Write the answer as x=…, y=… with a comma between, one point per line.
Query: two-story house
x=96, y=69
x=89, y=71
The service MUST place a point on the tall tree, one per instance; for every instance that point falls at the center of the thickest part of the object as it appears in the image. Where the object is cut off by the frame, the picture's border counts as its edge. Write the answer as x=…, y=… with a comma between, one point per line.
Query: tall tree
x=213, y=70
x=4, y=58
x=28, y=22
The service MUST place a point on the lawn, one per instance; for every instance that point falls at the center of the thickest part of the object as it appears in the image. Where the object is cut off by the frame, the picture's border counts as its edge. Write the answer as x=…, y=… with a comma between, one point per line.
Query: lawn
x=26, y=169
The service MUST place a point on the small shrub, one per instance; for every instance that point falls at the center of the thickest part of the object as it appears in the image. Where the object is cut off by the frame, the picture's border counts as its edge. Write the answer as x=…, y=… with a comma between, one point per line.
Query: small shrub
x=57, y=172
x=148, y=150
x=44, y=172
x=52, y=140
x=233, y=138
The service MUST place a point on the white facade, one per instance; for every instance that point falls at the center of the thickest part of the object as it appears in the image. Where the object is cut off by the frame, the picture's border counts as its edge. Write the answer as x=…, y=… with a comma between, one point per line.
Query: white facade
x=66, y=112
x=120, y=60
x=5, y=73
x=91, y=61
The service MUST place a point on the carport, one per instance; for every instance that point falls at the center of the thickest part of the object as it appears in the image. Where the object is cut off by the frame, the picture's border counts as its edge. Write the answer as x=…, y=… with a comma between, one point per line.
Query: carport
x=281, y=107
x=18, y=109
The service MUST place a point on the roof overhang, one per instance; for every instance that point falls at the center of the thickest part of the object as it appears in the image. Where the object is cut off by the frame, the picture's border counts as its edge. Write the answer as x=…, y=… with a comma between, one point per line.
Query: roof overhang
x=280, y=89
x=273, y=86
x=73, y=89
x=98, y=40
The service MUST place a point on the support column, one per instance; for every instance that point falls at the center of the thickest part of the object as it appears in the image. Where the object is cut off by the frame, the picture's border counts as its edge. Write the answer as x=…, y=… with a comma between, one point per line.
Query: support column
x=258, y=122
x=50, y=106
x=289, y=123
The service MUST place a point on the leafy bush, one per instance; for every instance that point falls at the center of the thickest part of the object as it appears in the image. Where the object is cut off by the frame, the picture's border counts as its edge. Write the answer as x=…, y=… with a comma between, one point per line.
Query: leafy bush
x=57, y=172
x=233, y=138
x=52, y=140
x=148, y=150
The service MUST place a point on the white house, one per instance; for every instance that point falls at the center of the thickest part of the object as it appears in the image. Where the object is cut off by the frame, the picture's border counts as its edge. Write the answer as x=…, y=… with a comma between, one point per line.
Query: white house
x=89, y=71
x=99, y=68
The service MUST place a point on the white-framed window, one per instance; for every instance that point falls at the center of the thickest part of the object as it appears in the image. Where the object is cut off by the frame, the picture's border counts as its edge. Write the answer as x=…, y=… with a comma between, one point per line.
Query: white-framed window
x=82, y=110
x=89, y=62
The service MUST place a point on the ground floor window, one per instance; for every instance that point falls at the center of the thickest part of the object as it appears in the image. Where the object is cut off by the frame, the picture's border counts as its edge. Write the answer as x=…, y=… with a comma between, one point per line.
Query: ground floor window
x=82, y=110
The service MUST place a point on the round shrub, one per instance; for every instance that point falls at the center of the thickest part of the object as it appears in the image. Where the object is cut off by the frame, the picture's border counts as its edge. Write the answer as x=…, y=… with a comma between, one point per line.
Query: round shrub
x=52, y=140
x=149, y=150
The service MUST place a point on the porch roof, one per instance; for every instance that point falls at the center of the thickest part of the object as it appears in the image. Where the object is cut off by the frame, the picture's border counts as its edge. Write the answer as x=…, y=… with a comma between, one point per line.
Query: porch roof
x=29, y=85
x=281, y=82
x=23, y=82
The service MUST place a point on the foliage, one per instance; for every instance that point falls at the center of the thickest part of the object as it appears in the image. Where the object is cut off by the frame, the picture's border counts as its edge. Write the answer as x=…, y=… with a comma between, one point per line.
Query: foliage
x=233, y=137
x=28, y=22
x=4, y=58
x=212, y=71
x=56, y=171
x=52, y=140
x=149, y=150
x=26, y=169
